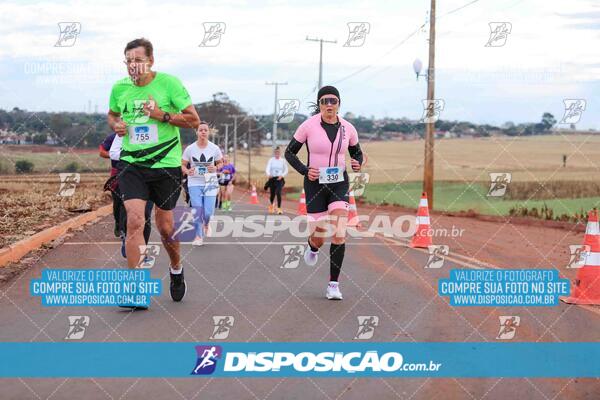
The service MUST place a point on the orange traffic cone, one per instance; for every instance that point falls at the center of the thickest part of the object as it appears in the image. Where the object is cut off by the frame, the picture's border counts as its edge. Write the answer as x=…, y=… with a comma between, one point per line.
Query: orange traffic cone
x=422, y=237
x=352, y=210
x=302, y=204
x=586, y=287
x=253, y=196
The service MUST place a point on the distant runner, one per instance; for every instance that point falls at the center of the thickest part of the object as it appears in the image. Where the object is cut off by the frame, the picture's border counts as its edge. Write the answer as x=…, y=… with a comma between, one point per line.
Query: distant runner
x=204, y=157
x=147, y=108
x=111, y=183
x=276, y=170
x=226, y=181
x=327, y=137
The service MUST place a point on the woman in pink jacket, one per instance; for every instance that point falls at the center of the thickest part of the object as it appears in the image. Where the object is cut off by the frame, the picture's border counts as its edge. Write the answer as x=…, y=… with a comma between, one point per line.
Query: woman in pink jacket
x=327, y=137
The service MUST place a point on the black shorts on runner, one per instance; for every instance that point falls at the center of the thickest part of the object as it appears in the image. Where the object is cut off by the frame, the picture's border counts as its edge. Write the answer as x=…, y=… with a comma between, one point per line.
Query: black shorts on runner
x=320, y=195
x=162, y=186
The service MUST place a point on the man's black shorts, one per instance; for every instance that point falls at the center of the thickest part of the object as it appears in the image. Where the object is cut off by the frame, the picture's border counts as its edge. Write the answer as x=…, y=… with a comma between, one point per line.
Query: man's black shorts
x=160, y=185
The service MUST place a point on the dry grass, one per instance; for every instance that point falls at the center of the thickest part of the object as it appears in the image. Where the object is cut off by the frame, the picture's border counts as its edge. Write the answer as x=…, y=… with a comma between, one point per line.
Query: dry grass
x=534, y=159
x=530, y=159
x=30, y=203
x=552, y=190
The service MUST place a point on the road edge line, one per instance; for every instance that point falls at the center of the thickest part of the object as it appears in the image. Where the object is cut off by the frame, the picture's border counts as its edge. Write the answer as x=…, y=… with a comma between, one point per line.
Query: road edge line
x=14, y=252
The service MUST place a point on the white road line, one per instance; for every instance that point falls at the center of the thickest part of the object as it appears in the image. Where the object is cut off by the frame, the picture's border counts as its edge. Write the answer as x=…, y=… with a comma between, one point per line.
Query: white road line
x=218, y=243
x=404, y=243
x=460, y=259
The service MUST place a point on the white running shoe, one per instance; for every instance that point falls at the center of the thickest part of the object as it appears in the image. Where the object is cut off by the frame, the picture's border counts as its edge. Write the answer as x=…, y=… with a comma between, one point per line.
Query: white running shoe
x=333, y=291
x=310, y=257
x=197, y=242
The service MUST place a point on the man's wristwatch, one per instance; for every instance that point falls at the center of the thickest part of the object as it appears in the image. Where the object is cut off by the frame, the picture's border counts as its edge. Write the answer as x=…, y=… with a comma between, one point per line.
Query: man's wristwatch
x=166, y=117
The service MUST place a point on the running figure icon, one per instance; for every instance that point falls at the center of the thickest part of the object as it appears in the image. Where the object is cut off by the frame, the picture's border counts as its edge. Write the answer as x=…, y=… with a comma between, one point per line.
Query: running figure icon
x=207, y=357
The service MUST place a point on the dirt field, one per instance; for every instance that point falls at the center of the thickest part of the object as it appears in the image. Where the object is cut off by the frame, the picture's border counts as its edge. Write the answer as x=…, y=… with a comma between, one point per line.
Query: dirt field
x=31, y=203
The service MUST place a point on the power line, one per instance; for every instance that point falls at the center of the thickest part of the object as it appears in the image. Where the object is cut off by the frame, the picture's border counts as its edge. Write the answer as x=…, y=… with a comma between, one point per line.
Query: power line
x=410, y=35
x=366, y=67
x=458, y=9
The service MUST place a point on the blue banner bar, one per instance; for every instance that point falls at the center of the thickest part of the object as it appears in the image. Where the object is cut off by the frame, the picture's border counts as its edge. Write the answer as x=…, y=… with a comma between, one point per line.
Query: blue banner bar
x=299, y=359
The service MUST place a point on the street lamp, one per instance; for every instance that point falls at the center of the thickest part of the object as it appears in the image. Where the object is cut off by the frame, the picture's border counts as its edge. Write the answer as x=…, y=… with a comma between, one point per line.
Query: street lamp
x=417, y=67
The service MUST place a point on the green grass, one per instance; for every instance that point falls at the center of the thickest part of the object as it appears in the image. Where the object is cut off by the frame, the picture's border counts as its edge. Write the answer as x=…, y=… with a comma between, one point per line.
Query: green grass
x=48, y=162
x=454, y=197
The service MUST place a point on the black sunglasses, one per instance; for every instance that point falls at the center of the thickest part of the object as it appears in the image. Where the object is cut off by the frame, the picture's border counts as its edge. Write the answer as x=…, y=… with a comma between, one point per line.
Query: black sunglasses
x=328, y=100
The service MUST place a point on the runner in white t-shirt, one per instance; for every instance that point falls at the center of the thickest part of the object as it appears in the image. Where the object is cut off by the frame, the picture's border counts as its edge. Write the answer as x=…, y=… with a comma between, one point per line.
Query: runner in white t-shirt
x=204, y=157
x=276, y=170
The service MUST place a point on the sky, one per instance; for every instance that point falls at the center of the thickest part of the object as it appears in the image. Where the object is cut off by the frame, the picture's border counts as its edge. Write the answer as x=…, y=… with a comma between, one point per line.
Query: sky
x=549, y=55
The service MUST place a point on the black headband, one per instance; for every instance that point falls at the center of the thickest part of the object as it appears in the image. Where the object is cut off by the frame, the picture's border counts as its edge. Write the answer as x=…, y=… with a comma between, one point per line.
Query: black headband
x=328, y=90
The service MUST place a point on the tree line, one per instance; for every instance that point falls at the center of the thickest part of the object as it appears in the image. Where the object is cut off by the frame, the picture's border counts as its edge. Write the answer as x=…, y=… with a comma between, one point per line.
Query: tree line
x=77, y=129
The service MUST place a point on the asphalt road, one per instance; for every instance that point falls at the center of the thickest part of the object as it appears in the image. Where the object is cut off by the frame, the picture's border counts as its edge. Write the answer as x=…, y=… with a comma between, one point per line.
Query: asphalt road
x=244, y=278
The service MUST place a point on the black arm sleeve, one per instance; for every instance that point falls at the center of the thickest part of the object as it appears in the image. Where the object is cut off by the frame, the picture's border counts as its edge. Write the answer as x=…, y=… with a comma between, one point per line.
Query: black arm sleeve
x=356, y=152
x=291, y=156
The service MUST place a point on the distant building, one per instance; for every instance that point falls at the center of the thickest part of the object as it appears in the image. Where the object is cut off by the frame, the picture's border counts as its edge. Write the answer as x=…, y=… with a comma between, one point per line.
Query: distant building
x=7, y=137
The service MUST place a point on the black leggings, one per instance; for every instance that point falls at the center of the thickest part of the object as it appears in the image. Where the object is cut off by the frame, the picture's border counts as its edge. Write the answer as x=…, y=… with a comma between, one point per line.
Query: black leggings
x=117, y=204
x=276, y=187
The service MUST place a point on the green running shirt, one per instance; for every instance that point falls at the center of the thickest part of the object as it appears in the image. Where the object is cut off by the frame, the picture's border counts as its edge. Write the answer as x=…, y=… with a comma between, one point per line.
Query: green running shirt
x=148, y=142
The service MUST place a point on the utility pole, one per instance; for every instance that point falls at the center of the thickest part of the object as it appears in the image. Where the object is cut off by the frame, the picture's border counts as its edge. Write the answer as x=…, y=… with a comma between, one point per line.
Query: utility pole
x=430, y=125
x=274, y=135
x=226, y=136
x=249, y=153
x=235, y=124
x=321, y=41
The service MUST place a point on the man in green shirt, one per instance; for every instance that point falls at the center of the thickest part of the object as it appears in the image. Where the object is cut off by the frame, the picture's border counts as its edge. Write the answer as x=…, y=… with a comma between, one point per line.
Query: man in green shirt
x=147, y=108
